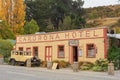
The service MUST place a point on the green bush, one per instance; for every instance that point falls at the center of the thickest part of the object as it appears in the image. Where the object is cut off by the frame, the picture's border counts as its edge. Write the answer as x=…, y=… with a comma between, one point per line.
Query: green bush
x=5, y=49
x=97, y=68
x=114, y=54
x=100, y=65
x=85, y=68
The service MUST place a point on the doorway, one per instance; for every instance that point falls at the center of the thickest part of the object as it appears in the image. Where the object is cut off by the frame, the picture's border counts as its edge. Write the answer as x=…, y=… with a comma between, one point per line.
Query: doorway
x=48, y=53
x=75, y=54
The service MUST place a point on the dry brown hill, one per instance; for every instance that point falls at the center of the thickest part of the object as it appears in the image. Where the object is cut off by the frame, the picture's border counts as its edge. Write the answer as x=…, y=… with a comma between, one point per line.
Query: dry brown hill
x=104, y=21
x=104, y=16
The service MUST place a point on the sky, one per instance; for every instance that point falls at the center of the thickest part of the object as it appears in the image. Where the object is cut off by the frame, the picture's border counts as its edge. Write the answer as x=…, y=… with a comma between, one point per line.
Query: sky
x=95, y=3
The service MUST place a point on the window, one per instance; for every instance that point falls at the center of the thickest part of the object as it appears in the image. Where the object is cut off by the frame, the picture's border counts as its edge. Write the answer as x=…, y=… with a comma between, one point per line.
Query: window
x=35, y=51
x=28, y=51
x=20, y=48
x=21, y=53
x=90, y=50
x=61, y=51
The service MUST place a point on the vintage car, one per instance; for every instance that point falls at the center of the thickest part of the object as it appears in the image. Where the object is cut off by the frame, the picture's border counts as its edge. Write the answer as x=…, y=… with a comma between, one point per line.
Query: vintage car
x=21, y=57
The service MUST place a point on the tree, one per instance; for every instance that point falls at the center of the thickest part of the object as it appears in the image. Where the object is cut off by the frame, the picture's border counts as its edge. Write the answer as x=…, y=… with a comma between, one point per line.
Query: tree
x=13, y=12
x=37, y=10
x=5, y=31
x=67, y=25
x=54, y=11
x=31, y=27
x=5, y=13
x=5, y=48
x=18, y=16
x=58, y=10
x=114, y=53
x=76, y=14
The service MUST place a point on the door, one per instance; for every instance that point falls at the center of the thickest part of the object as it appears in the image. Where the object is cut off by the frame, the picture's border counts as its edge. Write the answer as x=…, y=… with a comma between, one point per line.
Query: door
x=48, y=53
x=75, y=54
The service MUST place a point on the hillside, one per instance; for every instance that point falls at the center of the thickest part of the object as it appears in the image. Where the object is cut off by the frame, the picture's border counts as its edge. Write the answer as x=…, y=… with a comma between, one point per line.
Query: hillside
x=104, y=21
x=103, y=16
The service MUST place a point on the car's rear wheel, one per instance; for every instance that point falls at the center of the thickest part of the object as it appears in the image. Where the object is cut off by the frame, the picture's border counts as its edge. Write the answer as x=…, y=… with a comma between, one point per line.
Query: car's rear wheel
x=12, y=62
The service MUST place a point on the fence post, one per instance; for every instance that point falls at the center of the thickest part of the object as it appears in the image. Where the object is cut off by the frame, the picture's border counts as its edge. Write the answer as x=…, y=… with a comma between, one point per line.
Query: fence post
x=28, y=63
x=75, y=67
x=1, y=61
x=49, y=65
x=110, y=68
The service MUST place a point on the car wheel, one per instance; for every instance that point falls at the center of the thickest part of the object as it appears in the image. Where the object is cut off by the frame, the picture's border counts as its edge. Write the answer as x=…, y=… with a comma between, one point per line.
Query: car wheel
x=13, y=62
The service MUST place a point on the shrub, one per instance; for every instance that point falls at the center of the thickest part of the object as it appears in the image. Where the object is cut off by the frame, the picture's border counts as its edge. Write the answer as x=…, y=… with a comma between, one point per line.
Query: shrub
x=85, y=65
x=80, y=63
x=55, y=61
x=114, y=54
x=100, y=65
x=62, y=63
x=97, y=68
x=43, y=64
x=5, y=49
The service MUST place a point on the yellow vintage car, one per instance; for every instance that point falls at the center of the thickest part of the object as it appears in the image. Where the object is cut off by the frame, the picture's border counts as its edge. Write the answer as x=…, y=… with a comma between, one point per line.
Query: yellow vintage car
x=21, y=57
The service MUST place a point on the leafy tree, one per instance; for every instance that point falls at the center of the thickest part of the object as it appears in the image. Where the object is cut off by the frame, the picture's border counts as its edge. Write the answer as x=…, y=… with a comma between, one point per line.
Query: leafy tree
x=13, y=12
x=5, y=48
x=58, y=10
x=31, y=27
x=38, y=10
x=77, y=13
x=114, y=53
x=54, y=11
x=18, y=16
x=67, y=25
x=5, y=31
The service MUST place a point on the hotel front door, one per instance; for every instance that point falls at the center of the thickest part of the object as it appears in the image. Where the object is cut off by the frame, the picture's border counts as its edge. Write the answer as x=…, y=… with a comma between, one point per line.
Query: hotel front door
x=48, y=53
x=73, y=54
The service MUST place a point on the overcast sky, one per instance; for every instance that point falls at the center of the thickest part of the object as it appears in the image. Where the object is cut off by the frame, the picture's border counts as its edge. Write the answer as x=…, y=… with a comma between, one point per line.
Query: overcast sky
x=94, y=3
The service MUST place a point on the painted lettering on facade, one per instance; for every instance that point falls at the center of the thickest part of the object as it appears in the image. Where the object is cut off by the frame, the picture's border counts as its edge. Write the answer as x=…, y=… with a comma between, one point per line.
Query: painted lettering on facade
x=64, y=35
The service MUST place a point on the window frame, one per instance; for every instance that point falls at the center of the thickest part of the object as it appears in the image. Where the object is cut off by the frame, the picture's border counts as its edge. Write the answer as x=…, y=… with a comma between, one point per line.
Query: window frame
x=28, y=53
x=28, y=49
x=63, y=51
x=94, y=50
x=33, y=52
x=21, y=48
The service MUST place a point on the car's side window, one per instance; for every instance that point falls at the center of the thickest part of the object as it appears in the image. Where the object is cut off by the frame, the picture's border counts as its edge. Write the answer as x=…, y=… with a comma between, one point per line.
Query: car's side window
x=21, y=53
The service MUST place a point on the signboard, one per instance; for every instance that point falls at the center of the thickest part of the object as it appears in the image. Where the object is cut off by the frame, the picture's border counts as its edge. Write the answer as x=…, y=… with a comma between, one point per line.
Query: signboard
x=73, y=42
x=54, y=67
x=80, y=52
x=62, y=35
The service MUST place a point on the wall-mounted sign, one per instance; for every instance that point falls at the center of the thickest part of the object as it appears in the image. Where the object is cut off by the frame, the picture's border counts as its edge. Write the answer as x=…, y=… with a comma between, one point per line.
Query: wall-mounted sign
x=61, y=35
x=73, y=42
x=80, y=52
